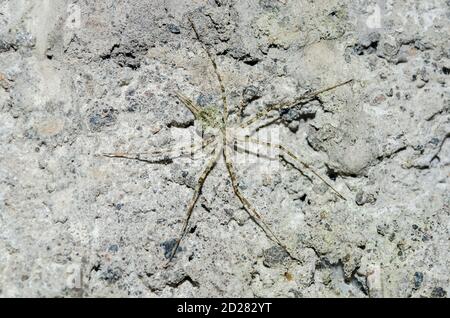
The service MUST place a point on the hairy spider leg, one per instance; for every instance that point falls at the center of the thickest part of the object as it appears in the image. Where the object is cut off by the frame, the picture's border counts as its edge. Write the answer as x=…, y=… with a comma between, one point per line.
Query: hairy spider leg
x=295, y=157
x=189, y=104
x=162, y=155
x=289, y=104
x=197, y=191
x=252, y=212
x=216, y=71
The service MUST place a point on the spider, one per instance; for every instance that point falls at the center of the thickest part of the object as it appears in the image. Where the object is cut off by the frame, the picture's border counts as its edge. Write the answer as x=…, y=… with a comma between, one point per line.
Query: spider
x=221, y=140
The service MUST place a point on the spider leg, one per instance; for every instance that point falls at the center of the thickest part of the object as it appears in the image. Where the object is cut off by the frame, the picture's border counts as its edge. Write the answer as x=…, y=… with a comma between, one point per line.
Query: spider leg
x=162, y=155
x=285, y=105
x=242, y=149
x=295, y=157
x=241, y=107
x=198, y=189
x=216, y=71
x=260, y=125
x=252, y=212
x=189, y=104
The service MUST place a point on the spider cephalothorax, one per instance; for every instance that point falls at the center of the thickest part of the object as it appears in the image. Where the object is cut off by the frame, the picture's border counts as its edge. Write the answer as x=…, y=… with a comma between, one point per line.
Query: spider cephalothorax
x=211, y=117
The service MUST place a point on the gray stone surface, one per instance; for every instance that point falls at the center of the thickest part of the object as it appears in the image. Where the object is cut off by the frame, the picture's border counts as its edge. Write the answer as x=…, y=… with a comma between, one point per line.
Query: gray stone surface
x=78, y=78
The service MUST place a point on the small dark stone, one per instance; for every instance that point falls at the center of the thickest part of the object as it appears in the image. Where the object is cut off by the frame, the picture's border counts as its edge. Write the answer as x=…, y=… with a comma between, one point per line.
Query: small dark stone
x=274, y=256
x=290, y=114
x=105, y=117
x=269, y=5
x=113, y=248
x=174, y=28
x=332, y=174
x=391, y=237
x=367, y=44
x=111, y=275
x=434, y=141
x=25, y=39
x=251, y=93
x=438, y=292
x=118, y=206
x=358, y=49
x=363, y=198
x=130, y=92
x=415, y=226
x=5, y=45
x=359, y=198
x=418, y=279
x=221, y=2
x=421, y=45
x=390, y=93
x=168, y=247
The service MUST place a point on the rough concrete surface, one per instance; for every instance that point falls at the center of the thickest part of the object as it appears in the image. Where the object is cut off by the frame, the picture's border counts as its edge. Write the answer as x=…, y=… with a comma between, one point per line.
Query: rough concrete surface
x=79, y=78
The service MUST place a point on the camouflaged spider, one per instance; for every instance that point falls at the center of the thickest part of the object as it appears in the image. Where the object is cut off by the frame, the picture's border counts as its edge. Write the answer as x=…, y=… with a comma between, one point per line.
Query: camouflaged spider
x=221, y=140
